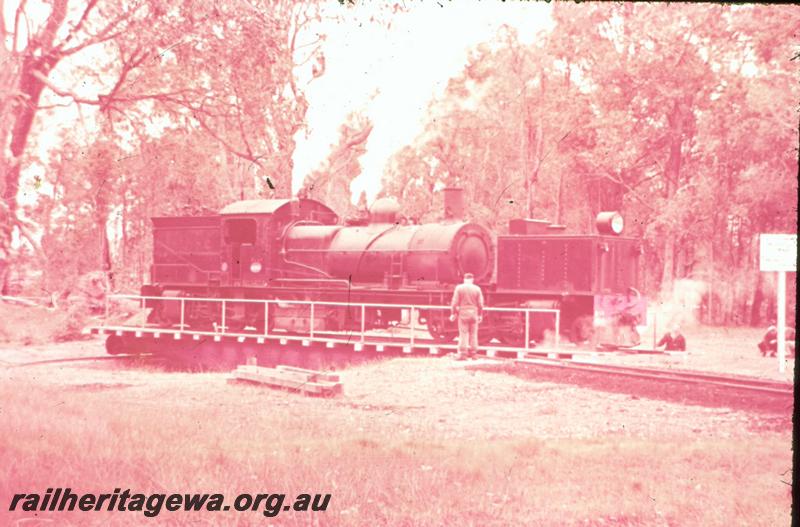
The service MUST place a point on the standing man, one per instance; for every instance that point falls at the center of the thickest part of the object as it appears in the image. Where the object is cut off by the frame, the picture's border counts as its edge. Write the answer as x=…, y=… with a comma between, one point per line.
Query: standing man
x=467, y=304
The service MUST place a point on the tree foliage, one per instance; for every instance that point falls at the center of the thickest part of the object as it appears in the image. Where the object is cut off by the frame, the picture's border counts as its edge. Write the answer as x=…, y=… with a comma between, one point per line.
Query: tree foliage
x=681, y=116
x=331, y=182
x=138, y=70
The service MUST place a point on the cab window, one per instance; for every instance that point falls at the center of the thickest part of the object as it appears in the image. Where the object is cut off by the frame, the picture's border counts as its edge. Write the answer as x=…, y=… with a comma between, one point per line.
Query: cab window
x=240, y=231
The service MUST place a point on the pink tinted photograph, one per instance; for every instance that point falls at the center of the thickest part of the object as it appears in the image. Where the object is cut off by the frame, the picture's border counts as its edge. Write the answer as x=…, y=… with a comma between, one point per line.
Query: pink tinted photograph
x=350, y=263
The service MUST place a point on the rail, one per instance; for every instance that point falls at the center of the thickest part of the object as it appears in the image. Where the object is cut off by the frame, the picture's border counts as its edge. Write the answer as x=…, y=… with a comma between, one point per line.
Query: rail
x=221, y=328
x=671, y=375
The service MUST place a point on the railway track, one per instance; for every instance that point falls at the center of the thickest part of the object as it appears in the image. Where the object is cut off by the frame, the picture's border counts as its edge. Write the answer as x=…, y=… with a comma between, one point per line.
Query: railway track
x=97, y=358
x=563, y=359
x=737, y=382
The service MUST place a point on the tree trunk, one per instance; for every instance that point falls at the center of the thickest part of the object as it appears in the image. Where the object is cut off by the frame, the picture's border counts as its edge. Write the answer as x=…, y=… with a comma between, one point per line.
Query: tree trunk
x=711, y=286
x=672, y=172
x=23, y=112
x=668, y=274
x=4, y=277
x=105, y=248
x=532, y=141
x=680, y=259
x=758, y=298
x=122, y=259
x=525, y=158
x=772, y=309
x=560, y=199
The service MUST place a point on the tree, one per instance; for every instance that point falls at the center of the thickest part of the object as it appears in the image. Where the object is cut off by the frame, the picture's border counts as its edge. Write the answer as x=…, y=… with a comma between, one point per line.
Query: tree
x=148, y=62
x=503, y=132
x=671, y=71
x=331, y=182
x=75, y=239
x=680, y=116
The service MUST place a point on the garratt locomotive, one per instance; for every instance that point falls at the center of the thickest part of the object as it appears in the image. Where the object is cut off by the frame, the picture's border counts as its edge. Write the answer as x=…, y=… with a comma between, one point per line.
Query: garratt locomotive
x=290, y=250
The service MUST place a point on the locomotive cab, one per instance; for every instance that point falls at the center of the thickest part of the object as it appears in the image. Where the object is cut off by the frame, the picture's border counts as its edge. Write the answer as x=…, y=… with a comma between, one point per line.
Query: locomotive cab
x=251, y=237
x=233, y=255
x=241, y=257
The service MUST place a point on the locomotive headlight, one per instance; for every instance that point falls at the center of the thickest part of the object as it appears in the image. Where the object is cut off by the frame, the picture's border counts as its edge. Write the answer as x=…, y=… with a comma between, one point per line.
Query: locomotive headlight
x=610, y=223
x=255, y=267
x=224, y=267
x=617, y=224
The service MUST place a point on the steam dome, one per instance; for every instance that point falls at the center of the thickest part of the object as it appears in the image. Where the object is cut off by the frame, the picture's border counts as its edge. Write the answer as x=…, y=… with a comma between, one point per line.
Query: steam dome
x=384, y=210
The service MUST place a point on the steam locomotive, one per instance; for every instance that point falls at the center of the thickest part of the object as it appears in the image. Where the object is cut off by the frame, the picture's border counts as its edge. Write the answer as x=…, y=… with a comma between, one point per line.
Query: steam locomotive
x=298, y=249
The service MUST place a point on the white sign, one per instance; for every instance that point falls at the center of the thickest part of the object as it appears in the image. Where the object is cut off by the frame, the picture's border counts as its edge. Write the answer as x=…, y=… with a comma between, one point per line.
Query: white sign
x=778, y=252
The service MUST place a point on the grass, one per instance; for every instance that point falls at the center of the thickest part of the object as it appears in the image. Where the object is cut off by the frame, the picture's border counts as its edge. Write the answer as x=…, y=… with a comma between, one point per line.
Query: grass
x=723, y=350
x=232, y=439
x=34, y=325
x=735, y=340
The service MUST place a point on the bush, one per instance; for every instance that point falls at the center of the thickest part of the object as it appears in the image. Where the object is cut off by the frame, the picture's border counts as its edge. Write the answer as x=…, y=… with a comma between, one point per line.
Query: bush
x=29, y=325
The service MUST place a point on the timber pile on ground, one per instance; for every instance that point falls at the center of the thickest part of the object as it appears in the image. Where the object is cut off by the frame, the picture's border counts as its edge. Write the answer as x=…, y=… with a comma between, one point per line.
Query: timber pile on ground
x=310, y=382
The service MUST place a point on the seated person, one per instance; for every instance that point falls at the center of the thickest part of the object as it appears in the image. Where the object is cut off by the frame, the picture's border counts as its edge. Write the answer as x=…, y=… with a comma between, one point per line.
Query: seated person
x=673, y=340
x=769, y=344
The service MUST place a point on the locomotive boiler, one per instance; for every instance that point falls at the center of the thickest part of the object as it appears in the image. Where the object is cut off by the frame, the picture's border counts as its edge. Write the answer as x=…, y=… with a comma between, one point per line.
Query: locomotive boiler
x=299, y=250
x=386, y=249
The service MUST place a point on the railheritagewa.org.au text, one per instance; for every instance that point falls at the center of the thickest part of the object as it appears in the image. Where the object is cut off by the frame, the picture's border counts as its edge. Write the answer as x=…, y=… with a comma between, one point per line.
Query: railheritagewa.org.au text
x=64, y=499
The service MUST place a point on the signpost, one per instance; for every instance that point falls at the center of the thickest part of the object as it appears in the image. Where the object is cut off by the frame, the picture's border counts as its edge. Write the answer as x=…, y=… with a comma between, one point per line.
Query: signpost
x=778, y=252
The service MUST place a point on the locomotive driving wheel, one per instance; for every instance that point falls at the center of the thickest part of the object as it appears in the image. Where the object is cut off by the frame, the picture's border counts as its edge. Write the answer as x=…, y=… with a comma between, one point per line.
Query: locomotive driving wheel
x=510, y=329
x=513, y=339
x=487, y=329
x=582, y=330
x=440, y=328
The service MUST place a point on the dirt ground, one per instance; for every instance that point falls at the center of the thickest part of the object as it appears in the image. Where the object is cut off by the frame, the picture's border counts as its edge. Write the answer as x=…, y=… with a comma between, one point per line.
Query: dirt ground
x=436, y=395
x=715, y=349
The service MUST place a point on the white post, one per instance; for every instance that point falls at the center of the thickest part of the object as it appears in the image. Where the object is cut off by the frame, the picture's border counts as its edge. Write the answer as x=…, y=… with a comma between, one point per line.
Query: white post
x=411, y=314
x=781, y=321
x=655, y=330
x=183, y=311
x=558, y=326
x=527, y=330
x=223, y=316
x=266, y=318
x=312, y=321
x=363, y=322
x=778, y=252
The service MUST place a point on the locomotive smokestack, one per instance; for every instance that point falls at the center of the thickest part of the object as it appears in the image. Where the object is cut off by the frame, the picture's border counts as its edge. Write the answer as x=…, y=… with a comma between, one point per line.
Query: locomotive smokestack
x=453, y=203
